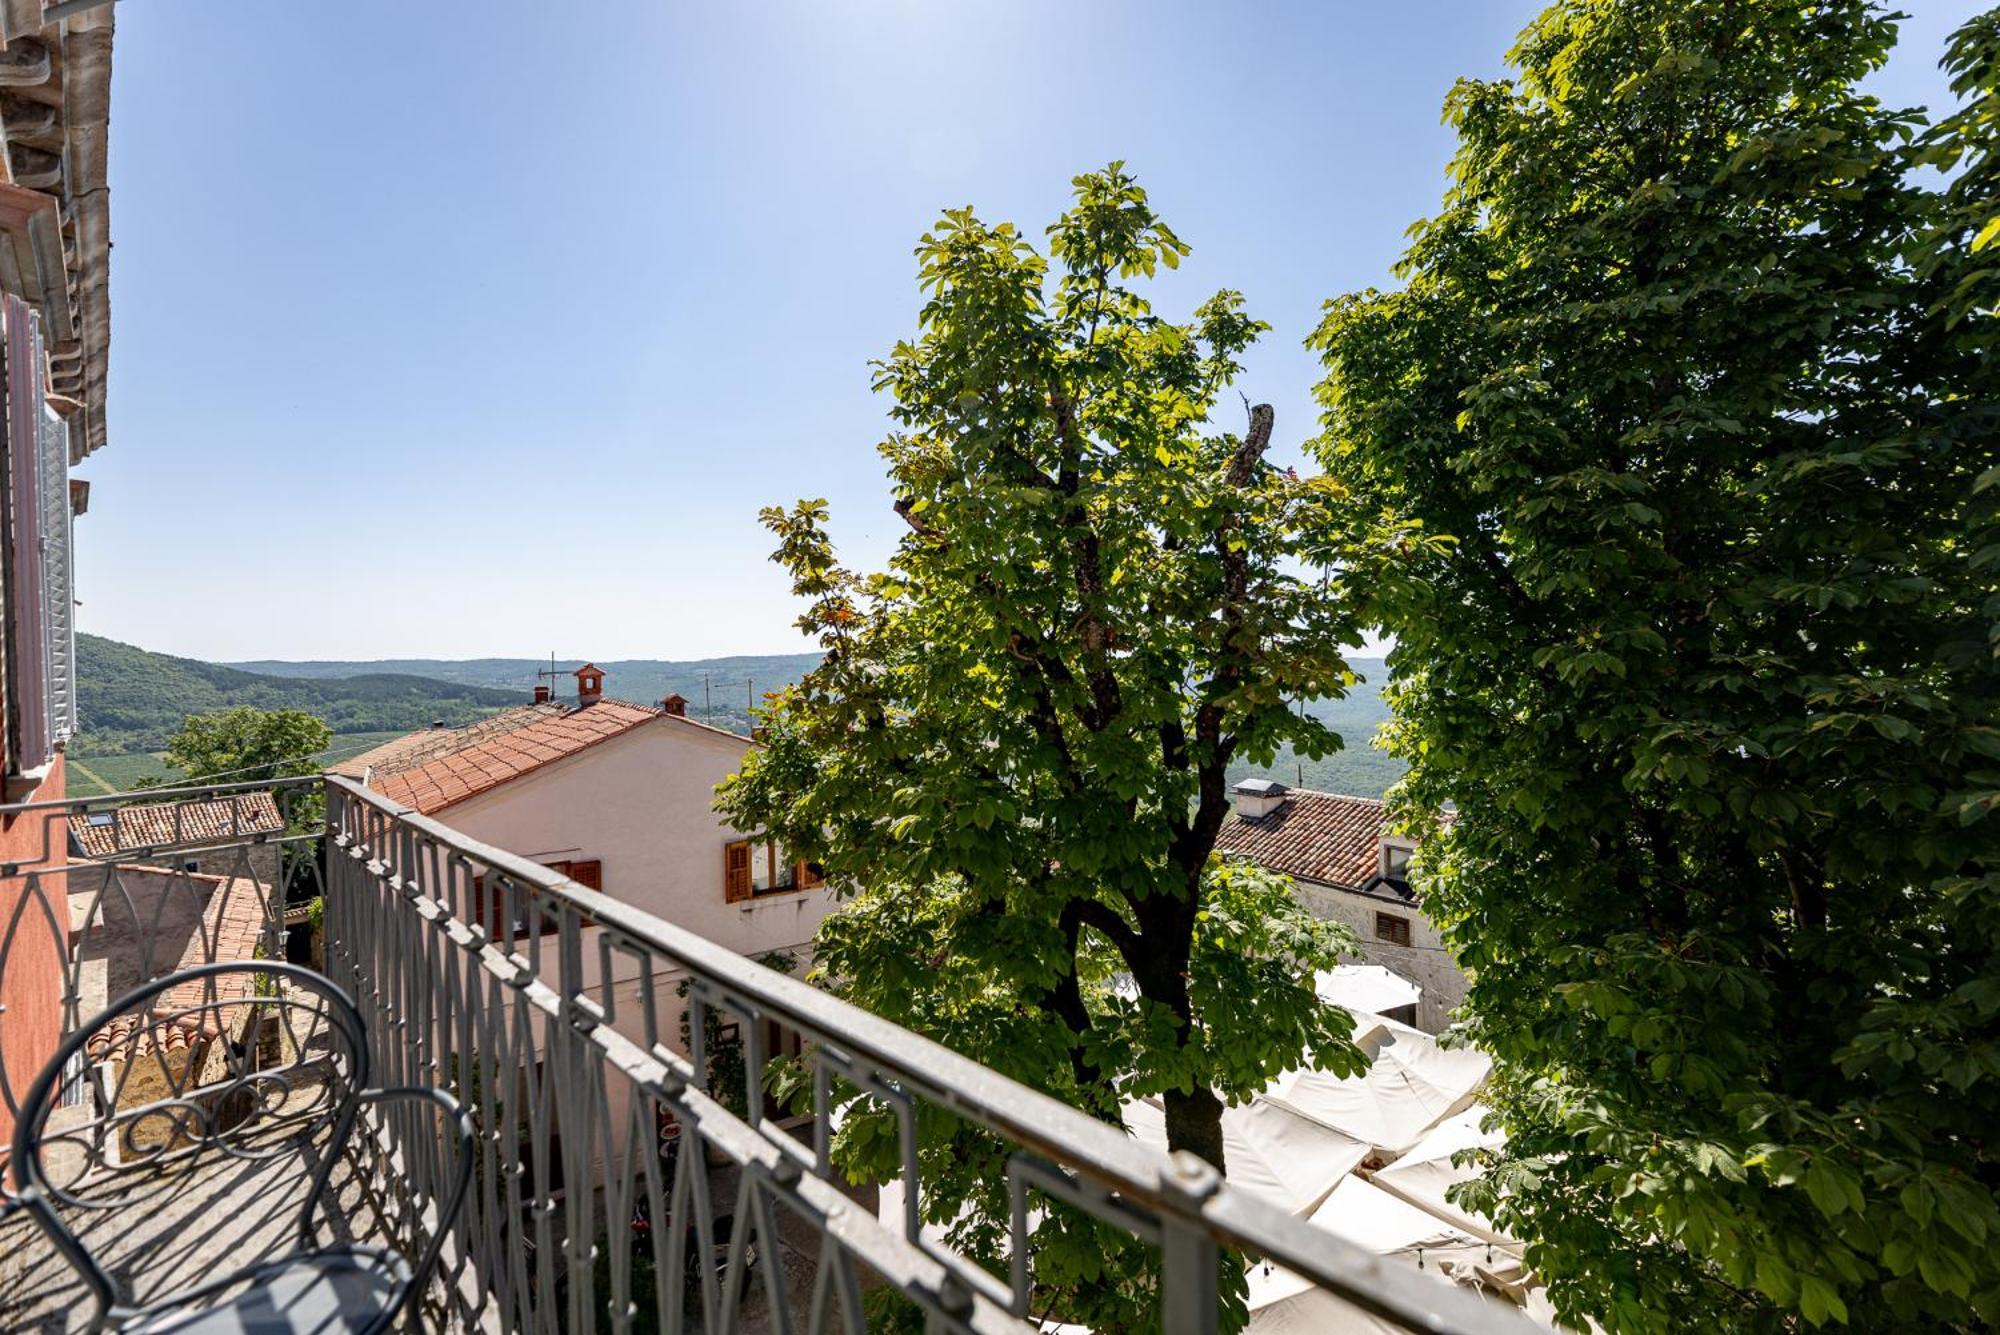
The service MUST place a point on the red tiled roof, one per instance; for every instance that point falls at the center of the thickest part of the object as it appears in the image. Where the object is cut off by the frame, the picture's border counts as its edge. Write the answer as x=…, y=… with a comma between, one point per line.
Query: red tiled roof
x=547, y=734
x=1322, y=837
x=231, y=921
x=176, y=824
x=413, y=749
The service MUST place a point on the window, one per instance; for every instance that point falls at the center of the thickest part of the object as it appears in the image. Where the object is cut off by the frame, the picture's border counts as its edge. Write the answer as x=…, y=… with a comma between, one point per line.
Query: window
x=752, y=868
x=770, y=873
x=1392, y=928
x=490, y=907
x=586, y=872
x=1395, y=859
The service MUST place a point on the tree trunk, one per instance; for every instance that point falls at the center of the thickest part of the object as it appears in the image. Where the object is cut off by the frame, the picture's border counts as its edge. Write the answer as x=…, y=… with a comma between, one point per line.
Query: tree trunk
x=1194, y=1124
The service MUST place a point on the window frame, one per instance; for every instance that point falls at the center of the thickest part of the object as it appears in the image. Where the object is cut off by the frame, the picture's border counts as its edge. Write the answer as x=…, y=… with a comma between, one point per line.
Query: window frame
x=741, y=859
x=1398, y=931
x=487, y=911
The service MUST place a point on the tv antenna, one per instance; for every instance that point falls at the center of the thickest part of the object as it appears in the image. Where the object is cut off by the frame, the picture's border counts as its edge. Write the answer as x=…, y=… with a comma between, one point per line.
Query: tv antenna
x=550, y=674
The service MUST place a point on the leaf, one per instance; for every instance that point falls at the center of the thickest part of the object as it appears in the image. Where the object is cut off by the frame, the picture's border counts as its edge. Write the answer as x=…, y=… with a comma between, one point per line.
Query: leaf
x=1819, y=1301
x=1918, y=1201
x=1824, y=1183
x=1774, y=1277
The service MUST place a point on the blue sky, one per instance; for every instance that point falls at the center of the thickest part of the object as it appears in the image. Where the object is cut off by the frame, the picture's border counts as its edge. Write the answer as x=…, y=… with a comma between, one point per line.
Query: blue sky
x=451, y=329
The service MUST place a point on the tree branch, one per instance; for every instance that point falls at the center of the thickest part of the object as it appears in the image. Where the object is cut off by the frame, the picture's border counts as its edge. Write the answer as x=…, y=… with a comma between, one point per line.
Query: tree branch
x=1101, y=918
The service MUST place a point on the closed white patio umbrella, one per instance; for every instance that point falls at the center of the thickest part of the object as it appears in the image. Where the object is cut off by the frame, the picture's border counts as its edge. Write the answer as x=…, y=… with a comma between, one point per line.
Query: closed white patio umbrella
x=1289, y=1160
x=1411, y=1085
x=1368, y=988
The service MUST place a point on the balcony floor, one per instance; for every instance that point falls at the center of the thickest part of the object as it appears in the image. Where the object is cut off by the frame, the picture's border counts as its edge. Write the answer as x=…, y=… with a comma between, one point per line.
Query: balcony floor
x=224, y=1216
x=228, y=1215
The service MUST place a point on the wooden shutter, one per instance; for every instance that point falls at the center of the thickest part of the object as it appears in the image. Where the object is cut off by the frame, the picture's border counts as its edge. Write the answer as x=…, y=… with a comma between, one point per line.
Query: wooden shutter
x=485, y=914
x=27, y=603
x=736, y=871
x=1392, y=929
x=809, y=876
x=58, y=595
x=589, y=873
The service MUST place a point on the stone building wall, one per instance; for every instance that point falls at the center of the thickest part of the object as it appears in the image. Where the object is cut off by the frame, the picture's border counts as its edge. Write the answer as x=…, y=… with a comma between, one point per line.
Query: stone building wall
x=1425, y=961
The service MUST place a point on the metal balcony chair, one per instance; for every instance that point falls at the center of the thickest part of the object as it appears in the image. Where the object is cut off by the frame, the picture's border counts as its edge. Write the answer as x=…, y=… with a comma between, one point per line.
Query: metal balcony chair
x=228, y=1069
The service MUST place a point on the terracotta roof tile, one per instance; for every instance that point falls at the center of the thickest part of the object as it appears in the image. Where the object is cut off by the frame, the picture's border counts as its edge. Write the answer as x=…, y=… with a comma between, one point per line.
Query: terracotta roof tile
x=104, y=834
x=488, y=754
x=417, y=748
x=1324, y=837
x=232, y=919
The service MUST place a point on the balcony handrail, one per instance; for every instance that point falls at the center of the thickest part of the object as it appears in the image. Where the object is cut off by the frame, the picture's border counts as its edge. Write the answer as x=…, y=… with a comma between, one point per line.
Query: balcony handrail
x=147, y=796
x=1186, y=1194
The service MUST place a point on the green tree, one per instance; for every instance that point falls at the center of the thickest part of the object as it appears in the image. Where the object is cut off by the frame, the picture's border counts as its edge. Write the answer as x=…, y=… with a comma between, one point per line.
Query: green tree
x=249, y=745
x=1018, y=739
x=1673, y=445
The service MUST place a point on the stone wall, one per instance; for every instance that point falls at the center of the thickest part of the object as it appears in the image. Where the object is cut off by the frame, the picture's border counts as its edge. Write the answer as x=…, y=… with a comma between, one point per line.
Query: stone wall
x=1424, y=961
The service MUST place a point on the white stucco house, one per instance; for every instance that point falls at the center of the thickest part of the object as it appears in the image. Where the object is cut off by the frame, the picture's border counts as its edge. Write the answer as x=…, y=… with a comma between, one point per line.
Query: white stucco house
x=1348, y=867
x=619, y=796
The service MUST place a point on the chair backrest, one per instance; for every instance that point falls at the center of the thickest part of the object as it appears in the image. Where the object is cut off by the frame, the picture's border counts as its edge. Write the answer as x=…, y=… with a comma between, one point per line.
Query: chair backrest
x=217, y=1066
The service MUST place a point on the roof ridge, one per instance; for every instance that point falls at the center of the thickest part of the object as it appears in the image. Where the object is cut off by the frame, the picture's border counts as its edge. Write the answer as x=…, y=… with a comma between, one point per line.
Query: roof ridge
x=485, y=763
x=1344, y=797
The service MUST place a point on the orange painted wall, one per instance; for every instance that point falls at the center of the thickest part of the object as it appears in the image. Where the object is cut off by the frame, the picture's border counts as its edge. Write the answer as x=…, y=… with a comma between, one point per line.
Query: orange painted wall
x=31, y=982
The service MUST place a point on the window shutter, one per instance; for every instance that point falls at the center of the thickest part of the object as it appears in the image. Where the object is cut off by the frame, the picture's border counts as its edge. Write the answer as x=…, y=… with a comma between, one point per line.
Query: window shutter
x=588, y=874
x=58, y=592
x=1392, y=929
x=480, y=911
x=809, y=876
x=27, y=602
x=736, y=871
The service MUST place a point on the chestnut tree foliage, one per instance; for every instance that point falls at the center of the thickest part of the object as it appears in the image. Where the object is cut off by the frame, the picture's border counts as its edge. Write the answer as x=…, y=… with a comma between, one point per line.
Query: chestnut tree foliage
x=1012, y=759
x=1682, y=430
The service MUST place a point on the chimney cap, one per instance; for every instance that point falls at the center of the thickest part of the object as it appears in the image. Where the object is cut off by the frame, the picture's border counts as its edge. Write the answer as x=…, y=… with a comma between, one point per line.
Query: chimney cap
x=541, y=695
x=1261, y=788
x=675, y=704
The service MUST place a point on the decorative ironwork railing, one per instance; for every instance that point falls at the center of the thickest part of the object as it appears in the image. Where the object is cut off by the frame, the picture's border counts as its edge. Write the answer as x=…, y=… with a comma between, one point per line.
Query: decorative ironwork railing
x=613, y=1188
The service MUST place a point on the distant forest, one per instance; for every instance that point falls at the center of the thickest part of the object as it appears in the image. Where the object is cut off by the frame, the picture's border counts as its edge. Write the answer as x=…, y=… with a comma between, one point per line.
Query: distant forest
x=131, y=701
x=1358, y=768
x=719, y=689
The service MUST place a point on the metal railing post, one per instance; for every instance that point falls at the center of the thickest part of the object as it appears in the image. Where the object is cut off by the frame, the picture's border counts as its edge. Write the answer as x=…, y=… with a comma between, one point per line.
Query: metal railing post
x=1190, y=1261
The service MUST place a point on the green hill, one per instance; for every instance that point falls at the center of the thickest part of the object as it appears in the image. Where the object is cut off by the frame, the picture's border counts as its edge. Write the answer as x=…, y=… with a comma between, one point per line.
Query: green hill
x=131, y=701
x=718, y=689
x=1358, y=768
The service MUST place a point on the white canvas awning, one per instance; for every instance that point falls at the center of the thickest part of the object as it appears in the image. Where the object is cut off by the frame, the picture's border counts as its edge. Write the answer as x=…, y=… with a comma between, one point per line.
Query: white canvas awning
x=1422, y=1175
x=1271, y=1152
x=1411, y=1085
x=1366, y=988
x=1370, y=1217
x=1282, y=1303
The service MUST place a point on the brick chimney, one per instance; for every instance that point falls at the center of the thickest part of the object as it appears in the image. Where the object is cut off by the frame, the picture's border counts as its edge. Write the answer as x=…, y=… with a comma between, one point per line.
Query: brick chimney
x=676, y=705
x=541, y=695
x=589, y=685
